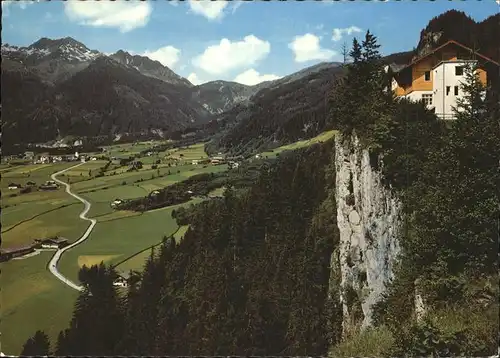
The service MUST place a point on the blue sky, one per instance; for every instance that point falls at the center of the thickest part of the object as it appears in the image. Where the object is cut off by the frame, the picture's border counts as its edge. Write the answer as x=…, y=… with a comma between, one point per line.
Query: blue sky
x=243, y=41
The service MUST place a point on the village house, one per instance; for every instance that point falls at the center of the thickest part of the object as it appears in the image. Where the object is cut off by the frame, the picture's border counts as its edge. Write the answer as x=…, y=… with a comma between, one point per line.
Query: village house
x=121, y=280
x=436, y=77
x=195, y=162
x=52, y=243
x=155, y=193
x=13, y=186
x=29, y=155
x=49, y=185
x=116, y=202
x=217, y=160
x=233, y=165
x=11, y=252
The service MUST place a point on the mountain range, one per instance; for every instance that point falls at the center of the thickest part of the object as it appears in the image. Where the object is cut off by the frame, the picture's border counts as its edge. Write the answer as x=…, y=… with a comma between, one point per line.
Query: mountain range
x=59, y=87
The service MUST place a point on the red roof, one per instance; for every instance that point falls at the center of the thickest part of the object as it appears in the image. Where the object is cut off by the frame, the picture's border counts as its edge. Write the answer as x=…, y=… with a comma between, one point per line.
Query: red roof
x=444, y=45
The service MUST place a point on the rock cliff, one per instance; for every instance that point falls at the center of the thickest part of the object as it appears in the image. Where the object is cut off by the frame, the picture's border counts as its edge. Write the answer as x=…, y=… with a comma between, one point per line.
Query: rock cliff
x=369, y=221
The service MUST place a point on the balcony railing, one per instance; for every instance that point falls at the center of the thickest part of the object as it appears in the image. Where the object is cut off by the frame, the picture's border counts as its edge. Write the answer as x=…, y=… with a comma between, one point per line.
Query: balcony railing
x=446, y=116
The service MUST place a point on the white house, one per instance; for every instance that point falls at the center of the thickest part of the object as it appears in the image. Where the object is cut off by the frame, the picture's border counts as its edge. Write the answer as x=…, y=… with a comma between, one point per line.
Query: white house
x=120, y=282
x=116, y=202
x=436, y=77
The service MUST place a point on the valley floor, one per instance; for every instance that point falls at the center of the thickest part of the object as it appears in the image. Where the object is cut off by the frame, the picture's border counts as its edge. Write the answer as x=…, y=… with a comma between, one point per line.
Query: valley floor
x=32, y=297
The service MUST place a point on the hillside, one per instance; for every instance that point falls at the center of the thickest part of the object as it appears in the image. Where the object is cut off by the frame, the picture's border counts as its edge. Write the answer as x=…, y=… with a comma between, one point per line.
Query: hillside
x=219, y=96
x=104, y=98
x=458, y=26
x=150, y=68
x=281, y=113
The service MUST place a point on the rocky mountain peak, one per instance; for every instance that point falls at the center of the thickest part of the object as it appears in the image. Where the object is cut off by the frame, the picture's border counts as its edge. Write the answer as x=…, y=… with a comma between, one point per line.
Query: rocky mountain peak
x=149, y=67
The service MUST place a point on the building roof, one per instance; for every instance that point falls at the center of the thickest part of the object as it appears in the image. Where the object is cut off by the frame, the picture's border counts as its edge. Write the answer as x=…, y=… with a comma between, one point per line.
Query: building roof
x=443, y=46
x=56, y=240
x=10, y=250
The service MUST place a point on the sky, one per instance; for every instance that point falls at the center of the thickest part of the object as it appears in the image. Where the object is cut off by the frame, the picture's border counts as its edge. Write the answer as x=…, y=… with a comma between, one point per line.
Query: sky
x=243, y=41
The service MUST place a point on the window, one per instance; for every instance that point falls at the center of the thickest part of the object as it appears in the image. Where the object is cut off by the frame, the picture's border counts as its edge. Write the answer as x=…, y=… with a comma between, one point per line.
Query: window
x=448, y=90
x=427, y=99
x=459, y=71
x=427, y=75
x=456, y=90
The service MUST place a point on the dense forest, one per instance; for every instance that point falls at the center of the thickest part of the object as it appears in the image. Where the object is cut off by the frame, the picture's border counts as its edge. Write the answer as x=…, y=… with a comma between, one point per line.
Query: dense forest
x=255, y=273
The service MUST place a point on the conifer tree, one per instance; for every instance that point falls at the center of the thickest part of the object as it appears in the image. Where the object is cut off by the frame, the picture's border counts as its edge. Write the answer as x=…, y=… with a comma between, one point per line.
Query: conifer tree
x=38, y=345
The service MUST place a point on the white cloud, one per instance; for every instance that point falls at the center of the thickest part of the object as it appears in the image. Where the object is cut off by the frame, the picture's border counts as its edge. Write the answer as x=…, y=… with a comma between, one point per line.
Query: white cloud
x=226, y=56
x=251, y=77
x=237, y=4
x=167, y=55
x=307, y=48
x=338, y=33
x=125, y=15
x=23, y=4
x=193, y=78
x=212, y=10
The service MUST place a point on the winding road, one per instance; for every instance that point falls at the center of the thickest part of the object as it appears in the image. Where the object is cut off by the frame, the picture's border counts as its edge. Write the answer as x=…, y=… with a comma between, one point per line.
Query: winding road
x=55, y=259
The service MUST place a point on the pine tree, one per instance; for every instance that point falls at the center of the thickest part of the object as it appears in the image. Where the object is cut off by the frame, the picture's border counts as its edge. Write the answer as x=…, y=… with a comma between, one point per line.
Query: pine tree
x=38, y=345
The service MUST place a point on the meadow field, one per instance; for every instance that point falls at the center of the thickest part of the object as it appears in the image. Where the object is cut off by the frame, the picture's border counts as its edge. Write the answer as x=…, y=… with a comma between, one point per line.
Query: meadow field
x=32, y=298
x=322, y=137
x=117, y=238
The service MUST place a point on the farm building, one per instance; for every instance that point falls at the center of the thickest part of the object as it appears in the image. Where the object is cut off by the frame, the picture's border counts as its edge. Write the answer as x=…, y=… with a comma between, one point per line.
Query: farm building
x=217, y=160
x=49, y=185
x=52, y=243
x=9, y=253
x=13, y=186
x=155, y=193
x=116, y=202
x=121, y=280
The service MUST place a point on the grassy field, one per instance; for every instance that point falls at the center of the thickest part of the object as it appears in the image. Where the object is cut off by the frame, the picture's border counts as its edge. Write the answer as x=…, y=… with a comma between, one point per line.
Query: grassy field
x=32, y=299
x=116, y=239
x=130, y=149
x=42, y=207
x=63, y=222
x=187, y=154
x=137, y=262
x=323, y=137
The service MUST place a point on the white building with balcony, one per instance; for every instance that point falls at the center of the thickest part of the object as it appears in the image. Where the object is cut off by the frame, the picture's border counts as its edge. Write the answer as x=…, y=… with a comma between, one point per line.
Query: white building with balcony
x=436, y=77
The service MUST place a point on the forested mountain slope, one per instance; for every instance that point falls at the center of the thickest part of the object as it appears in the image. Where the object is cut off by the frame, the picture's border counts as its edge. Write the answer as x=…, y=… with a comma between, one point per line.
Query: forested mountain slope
x=278, y=115
x=264, y=272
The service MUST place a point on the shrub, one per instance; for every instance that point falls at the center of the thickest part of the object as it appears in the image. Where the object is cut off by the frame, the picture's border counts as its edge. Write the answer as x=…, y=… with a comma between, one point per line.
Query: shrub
x=372, y=342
